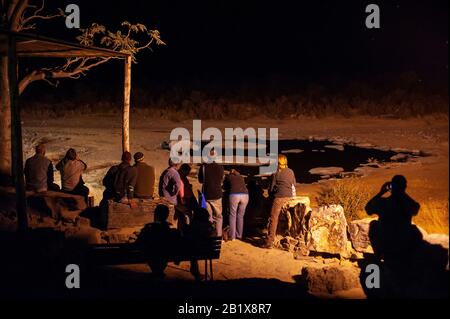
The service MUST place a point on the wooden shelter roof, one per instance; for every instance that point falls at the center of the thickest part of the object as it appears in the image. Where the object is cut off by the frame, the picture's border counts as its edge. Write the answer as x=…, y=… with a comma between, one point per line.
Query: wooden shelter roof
x=30, y=45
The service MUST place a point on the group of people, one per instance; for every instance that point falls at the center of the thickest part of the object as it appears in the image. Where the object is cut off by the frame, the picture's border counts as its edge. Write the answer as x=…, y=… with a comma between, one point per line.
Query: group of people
x=126, y=181
x=39, y=173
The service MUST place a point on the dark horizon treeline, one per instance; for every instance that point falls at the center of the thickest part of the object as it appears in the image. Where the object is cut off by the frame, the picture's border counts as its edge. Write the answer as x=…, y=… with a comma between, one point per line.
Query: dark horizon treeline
x=400, y=96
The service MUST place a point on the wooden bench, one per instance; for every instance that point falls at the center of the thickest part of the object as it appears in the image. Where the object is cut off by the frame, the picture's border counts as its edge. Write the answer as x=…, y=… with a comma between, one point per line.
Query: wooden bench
x=121, y=254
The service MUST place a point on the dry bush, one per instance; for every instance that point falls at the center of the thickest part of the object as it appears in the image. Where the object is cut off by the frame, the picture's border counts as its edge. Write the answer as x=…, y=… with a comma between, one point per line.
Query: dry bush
x=350, y=193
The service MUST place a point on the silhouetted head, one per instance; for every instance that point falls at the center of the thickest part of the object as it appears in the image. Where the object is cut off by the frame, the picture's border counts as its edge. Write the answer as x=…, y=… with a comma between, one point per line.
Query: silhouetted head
x=40, y=149
x=282, y=161
x=138, y=157
x=398, y=184
x=71, y=154
x=161, y=213
x=172, y=163
x=201, y=215
x=126, y=157
x=185, y=169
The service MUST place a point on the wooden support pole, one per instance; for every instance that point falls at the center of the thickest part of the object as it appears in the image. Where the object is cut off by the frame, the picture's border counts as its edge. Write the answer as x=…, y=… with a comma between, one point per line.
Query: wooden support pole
x=16, y=137
x=126, y=106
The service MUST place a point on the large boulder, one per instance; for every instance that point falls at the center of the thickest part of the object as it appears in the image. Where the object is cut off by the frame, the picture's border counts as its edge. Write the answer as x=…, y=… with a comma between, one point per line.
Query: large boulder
x=84, y=235
x=328, y=280
x=327, y=230
x=136, y=213
x=57, y=205
x=358, y=231
x=437, y=239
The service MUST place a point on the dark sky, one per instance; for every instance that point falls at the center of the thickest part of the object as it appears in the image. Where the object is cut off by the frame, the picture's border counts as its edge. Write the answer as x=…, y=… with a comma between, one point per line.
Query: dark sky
x=237, y=41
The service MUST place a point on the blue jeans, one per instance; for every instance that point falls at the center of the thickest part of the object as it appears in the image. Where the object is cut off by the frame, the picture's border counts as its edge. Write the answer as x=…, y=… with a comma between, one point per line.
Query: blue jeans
x=238, y=204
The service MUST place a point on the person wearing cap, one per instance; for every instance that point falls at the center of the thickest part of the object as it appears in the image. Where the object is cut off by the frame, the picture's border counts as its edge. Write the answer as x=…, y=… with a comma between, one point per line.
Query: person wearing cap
x=38, y=171
x=211, y=175
x=282, y=189
x=170, y=183
x=145, y=179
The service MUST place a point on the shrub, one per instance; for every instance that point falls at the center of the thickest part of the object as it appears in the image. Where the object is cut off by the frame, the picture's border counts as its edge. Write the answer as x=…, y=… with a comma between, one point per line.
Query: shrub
x=350, y=193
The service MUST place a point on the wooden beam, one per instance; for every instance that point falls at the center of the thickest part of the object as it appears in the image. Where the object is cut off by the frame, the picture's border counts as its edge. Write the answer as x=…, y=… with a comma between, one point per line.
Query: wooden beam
x=16, y=134
x=126, y=106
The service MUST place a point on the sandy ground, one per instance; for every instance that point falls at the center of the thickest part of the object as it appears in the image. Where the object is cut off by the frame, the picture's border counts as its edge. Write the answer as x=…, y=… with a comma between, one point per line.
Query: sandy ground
x=98, y=140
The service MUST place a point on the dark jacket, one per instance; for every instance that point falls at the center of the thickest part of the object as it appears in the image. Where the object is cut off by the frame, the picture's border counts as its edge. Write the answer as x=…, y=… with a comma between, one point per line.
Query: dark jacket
x=235, y=184
x=395, y=210
x=158, y=239
x=120, y=181
x=283, y=183
x=38, y=173
x=170, y=184
x=211, y=176
x=145, y=181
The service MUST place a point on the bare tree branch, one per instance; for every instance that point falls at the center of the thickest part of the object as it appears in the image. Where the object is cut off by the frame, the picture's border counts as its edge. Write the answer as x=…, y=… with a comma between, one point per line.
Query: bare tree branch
x=66, y=71
x=18, y=8
x=24, y=22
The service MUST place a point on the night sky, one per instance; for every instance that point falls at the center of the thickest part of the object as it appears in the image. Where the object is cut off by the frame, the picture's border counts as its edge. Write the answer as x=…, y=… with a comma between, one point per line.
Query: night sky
x=231, y=42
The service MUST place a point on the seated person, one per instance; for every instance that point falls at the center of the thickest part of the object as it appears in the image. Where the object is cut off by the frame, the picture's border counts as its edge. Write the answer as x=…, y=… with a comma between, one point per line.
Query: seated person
x=39, y=172
x=120, y=180
x=71, y=168
x=196, y=233
x=145, y=181
x=159, y=241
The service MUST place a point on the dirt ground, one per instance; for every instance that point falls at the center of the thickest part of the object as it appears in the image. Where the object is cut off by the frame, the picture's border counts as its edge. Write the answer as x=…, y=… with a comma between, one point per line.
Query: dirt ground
x=98, y=141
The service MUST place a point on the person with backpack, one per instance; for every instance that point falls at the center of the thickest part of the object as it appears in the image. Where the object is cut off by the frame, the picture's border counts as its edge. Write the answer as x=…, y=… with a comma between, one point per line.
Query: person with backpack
x=170, y=183
x=211, y=176
x=120, y=180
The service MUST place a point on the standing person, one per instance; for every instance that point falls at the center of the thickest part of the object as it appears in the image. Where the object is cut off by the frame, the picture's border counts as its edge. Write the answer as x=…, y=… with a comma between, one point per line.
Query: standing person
x=39, y=172
x=71, y=168
x=145, y=181
x=211, y=176
x=187, y=202
x=234, y=184
x=170, y=183
x=120, y=180
x=282, y=189
x=393, y=236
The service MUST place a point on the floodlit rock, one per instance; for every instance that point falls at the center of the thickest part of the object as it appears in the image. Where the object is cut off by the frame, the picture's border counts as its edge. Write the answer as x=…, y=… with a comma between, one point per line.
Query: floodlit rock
x=437, y=239
x=399, y=157
x=336, y=147
x=57, y=205
x=83, y=222
x=121, y=215
x=364, y=145
x=7, y=223
x=327, y=230
x=330, y=279
x=84, y=235
x=358, y=231
x=292, y=151
x=326, y=171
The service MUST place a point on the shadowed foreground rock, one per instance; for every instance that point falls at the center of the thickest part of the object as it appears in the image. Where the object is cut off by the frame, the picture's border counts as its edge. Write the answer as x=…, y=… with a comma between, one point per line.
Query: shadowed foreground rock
x=328, y=280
